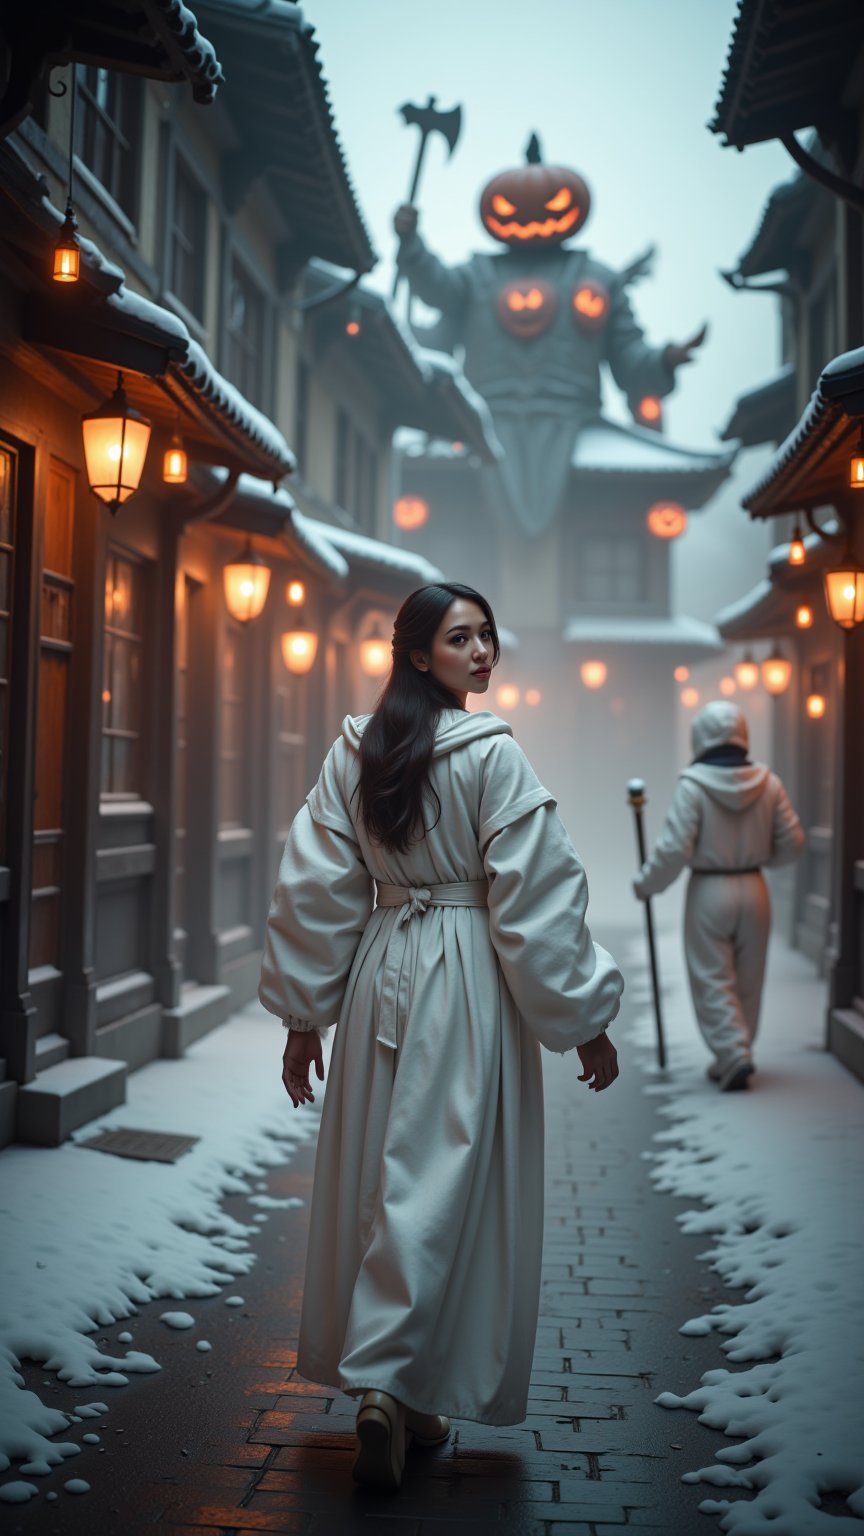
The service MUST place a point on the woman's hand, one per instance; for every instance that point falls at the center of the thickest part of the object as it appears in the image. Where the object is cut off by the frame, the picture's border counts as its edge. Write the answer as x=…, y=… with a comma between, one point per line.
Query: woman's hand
x=600, y=1060
x=302, y=1048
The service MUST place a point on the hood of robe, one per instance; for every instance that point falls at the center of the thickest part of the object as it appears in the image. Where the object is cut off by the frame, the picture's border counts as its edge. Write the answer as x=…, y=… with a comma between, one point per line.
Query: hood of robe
x=455, y=728
x=719, y=724
x=735, y=788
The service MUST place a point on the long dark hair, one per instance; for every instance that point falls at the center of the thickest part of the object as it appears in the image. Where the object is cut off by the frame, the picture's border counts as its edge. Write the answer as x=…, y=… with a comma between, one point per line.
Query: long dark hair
x=397, y=744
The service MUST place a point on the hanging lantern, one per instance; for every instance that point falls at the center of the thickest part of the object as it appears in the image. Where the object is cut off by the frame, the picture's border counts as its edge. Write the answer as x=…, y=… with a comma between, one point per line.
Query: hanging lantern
x=856, y=464
x=295, y=593
x=115, y=447
x=533, y=697
x=650, y=410
x=728, y=686
x=352, y=328
x=746, y=672
x=375, y=654
x=593, y=673
x=689, y=697
x=666, y=520
x=507, y=696
x=804, y=616
x=844, y=594
x=175, y=462
x=776, y=672
x=247, y=582
x=67, y=251
x=681, y=674
x=410, y=512
x=815, y=705
x=797, y=552
x=299, y=649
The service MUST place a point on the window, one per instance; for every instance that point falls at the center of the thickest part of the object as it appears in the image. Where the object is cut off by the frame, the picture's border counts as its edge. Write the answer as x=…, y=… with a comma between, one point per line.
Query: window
x=187, y=240
x=122, y=692
x=610, y=570
x=246, y=333
x=301, y=416
x=343, y=467
x=234, y=745
x=108, y=131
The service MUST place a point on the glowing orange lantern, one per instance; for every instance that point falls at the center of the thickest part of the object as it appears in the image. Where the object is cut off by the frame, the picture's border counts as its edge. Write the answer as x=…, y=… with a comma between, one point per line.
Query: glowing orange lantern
x=593, y=673
x=67, y=251
x=375, y=654
x=815, y=705
x=175, y=463
x=844, y=595
x=116, y=437
x=299, y=649
x=507, y=696
x=776, y=672
x=689, y=697
x=533, y=696
x=410, y=512
x=247, y=582
x=649, y=409
x=295, y=593
x=666, y=520
x=681, y=674
x=797, y=552
x=746, y=672
x=728, y=686
x=856, y=465
x=804, y=616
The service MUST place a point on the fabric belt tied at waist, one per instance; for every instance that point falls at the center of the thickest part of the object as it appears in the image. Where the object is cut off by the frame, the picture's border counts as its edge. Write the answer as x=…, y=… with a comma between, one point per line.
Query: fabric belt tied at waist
x=752, y=869
x=413, y=901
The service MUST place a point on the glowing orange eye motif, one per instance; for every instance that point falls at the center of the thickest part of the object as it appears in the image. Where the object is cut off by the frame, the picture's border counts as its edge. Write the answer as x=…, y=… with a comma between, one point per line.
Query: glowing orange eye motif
x=591, y=305
x=502, y=206
x=527, y=307
x=560, y=201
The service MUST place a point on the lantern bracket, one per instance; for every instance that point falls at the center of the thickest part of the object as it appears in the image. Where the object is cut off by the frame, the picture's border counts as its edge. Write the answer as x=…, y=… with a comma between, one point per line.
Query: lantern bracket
x=823, y=533
x=215, y=505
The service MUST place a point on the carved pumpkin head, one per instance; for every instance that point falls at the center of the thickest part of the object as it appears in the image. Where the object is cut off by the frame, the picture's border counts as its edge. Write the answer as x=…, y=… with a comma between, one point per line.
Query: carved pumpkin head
x=527, y=307
x=534, y=205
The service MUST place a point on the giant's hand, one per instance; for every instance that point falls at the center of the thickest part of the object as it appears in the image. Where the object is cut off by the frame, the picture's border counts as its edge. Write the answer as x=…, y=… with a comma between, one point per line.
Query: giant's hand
x=405, y=221
x=600, y=1061
x=674, y=355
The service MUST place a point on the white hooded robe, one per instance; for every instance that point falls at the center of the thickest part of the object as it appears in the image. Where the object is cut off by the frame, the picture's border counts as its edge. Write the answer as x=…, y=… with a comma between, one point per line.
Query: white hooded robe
x=423, y=1265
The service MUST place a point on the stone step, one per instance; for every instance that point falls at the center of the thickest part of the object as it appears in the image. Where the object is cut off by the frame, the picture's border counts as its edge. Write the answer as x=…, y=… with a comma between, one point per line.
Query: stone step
x=68, y=1095
x=49, y=1050
x=200, y=1009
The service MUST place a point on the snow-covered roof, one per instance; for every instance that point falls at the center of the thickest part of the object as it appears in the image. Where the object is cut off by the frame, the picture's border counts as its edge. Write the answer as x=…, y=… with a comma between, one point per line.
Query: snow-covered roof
x=200, y=373
x=763, y=414
x=357, y=547
x=281, y=516
x=811, y=465
x=606, y=447
x=676, y=632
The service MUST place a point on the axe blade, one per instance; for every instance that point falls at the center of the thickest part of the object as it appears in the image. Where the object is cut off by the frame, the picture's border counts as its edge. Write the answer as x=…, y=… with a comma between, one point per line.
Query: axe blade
x=429, y=120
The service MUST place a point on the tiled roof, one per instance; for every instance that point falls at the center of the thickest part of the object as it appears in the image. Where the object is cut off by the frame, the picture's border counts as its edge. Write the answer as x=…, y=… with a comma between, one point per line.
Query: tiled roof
x=676, y=632
x=604, y=449
x=763, y=414
x=385, y=559
x=811, y=465
x=780, y=243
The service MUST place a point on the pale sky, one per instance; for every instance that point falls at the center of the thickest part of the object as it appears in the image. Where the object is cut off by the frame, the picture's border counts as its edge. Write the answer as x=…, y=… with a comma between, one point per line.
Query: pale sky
x=621, y=90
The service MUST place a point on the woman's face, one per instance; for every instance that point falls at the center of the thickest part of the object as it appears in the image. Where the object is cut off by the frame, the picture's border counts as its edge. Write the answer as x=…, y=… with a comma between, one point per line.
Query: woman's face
x=462, y=650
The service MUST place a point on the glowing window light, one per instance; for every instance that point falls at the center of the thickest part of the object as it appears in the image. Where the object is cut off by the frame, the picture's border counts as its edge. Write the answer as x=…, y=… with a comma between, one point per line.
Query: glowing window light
x=815, y=705
x=295, y=593
x=804, y=616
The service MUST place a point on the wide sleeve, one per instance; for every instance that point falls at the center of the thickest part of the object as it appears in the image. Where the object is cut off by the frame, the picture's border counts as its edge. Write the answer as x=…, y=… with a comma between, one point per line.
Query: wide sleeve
x=787, y=833
x=566, y=987
x=674, y=847
x=320, y=907
x=637, y=368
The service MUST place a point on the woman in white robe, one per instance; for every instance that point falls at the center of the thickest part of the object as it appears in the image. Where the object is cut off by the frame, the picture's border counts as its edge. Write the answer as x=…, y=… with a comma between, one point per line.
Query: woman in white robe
x=423, y=1266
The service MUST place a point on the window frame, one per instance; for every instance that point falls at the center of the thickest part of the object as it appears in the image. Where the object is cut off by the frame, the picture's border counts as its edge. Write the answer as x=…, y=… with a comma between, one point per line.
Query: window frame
x=125, y=136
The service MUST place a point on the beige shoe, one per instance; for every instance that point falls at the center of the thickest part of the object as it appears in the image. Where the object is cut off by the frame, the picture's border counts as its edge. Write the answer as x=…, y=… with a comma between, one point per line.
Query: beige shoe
x=427, y=1428
x=381, y=1435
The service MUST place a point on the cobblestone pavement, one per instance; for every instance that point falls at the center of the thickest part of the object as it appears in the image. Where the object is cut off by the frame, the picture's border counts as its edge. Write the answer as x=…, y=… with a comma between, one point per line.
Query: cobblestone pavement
x=234, y=1442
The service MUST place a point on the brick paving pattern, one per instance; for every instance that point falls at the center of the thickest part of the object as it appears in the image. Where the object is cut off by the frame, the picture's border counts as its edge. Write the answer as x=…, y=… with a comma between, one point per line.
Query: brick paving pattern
x=234, y=1441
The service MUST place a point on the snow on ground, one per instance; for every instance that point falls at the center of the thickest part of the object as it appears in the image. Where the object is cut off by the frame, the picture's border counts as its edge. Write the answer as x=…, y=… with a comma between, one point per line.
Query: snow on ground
x=90, y=1238
x=776, y=1174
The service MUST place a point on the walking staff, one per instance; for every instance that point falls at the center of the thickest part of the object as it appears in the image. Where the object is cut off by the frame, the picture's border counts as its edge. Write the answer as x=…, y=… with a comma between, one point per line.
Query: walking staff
x=429, y=120
x=636, y=798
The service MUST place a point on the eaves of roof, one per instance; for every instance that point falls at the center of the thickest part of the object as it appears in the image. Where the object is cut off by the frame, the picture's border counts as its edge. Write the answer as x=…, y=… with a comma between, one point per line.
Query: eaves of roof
x=606, y=450
x=259, y=507
x=786, y=68
x=688, y=638
x=397, y=569
x=781, y=243
x=810, y=468
x=768, y=609
x=764, y=414
x=280, y=103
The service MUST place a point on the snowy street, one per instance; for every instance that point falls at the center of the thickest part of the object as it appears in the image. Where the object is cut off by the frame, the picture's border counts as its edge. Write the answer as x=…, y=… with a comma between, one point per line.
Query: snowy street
x=737, y=1299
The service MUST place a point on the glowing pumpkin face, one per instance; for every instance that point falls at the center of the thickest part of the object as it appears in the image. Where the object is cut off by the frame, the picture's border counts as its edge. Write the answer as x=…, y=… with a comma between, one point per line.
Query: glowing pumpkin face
x=591, y=305
x=527, y=307
x=534, y=205
x=666, y=520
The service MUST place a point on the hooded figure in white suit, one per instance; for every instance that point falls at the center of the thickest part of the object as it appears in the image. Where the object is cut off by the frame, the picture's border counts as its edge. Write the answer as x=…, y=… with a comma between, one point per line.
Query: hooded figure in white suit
x=729, y=818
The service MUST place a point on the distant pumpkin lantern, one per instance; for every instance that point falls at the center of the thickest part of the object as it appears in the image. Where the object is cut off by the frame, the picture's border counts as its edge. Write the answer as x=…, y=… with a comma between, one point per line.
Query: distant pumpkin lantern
x=666, y=520
x=534, y=205
x=410, y=512
x=527, y=307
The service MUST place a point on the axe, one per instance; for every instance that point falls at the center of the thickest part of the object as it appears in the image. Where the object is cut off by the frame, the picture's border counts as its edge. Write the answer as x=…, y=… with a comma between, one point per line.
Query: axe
x=429, y=120
x=636, y=799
